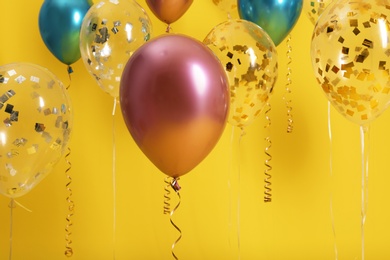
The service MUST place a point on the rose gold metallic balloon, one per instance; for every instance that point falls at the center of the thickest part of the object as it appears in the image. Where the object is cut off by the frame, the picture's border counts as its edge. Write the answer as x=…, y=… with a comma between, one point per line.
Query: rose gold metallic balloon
x=169, y=11
x=174, y=99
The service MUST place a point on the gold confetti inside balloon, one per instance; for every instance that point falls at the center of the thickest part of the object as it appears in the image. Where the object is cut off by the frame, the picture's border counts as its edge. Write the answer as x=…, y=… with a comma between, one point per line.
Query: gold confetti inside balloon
x=35, y=126
x=350, y=49
x=111, y=31
x=250, y=61
x=314, y=8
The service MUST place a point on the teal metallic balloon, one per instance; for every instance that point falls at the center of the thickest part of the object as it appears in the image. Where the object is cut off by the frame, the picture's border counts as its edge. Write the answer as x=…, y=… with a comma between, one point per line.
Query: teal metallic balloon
x=59, y=25
x=276, y=17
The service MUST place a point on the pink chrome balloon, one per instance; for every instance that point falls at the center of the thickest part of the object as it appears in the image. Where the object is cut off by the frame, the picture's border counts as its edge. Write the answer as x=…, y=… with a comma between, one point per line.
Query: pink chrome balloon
x=169, y=11
x=174, y=99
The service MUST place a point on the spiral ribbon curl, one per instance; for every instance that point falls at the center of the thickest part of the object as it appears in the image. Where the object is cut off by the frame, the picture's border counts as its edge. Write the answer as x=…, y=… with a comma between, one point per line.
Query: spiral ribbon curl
x=69, y=223
x=172, y=183
x=288, y=101
x=267, y=179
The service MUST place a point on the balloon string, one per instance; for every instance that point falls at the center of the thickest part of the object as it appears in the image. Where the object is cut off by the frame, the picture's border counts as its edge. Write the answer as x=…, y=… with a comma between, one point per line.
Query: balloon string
x=167, y=195
x=230, y=186
x=69, y=223
x=290, y=122
x=331, y=176
x=11, y=205
x=114, y=179
x=268, y=176
x=175, y=186
x=364, y=135
x=239, y=195
x=70, y=71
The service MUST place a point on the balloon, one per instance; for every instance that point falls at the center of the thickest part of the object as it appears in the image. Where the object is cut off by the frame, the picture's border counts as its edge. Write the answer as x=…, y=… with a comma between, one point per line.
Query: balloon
x=36, y=125
x=174, y=100
x=349, y=52
x=250, y=61
x=314, y=8
x=276, y=17
x=59, y=26
x=169, y=11
x=110, y=33
x=228, y=6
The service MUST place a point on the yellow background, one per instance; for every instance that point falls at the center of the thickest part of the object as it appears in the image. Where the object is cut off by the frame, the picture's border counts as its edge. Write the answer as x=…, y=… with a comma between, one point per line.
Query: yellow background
x=296, y=225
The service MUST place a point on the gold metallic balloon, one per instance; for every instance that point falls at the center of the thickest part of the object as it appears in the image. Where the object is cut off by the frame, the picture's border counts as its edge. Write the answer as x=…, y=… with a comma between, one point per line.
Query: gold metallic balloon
x=250, y=61
x=169, y=11
x=350, y=50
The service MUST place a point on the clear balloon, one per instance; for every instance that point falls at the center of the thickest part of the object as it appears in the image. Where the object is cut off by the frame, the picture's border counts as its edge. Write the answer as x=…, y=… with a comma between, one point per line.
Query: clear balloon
x=59, y=26
x=276, y=17
x=169, y=11
x=314, y=8
x=349, y=51
x=36, y=125
x=174, y=99
x=110, y=33
x=251, y=63
x=228, y=6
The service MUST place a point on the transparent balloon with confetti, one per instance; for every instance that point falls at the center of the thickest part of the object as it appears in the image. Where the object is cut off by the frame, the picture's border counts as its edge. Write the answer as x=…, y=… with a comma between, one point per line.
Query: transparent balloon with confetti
x=349, y=52
x=110, y=33
x=37, y=119
x=250, y=59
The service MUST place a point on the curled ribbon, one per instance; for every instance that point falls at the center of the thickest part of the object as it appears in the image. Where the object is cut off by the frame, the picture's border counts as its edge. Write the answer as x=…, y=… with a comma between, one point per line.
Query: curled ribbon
x=167, y=198
x=175, y=186
x=267, y=179
x=290, y=122
x=69, y=223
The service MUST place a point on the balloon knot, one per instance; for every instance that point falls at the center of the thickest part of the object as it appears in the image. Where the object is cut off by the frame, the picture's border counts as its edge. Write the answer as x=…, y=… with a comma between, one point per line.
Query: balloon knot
x=70, y=70
x=175, y=185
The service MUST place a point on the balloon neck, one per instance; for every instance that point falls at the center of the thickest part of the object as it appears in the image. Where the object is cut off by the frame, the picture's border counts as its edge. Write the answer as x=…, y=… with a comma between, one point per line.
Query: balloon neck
x=175, y=185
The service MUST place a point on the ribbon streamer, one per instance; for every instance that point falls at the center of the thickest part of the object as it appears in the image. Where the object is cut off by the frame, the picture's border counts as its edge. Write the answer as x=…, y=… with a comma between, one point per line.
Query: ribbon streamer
x=69, y=223
x=175, y=186
x=268, y=167
x=290, y=122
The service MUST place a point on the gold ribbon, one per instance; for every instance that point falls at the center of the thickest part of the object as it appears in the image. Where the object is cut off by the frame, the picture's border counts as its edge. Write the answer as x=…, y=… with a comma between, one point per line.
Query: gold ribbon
x=290, y=122
x=69, y=223
x=268, y=167
x=172, y=183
